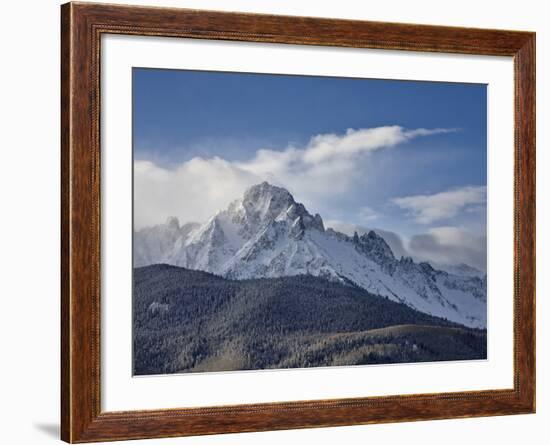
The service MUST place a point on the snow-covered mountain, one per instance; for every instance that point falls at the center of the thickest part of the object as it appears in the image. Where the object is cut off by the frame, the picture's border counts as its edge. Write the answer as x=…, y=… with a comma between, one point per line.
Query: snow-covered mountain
x=268, y=234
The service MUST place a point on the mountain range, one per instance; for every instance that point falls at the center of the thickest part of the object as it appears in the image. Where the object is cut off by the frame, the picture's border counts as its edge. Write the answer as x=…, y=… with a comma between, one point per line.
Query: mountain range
x=268, y=234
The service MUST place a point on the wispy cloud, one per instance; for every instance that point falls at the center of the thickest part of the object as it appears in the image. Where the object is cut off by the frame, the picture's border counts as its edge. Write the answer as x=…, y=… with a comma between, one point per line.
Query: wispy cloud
x=426, y=209
x=323, y=169
x=367, y=214
x=323, y=148
x=193, y=191
x=450, y=245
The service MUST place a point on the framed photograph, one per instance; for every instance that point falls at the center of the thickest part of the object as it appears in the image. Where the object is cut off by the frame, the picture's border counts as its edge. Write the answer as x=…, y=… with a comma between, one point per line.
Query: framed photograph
x=274, y=222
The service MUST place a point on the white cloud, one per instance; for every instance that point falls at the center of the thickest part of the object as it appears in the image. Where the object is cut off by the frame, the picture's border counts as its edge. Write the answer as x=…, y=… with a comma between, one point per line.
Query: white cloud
x=426, y=209
x=323, y=169
x=194, y=191
x=325, y=147
x=367, y=214
x=450, y=246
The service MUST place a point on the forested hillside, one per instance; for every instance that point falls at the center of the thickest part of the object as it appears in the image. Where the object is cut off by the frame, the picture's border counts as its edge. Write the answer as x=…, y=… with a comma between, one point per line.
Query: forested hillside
x=186, y=320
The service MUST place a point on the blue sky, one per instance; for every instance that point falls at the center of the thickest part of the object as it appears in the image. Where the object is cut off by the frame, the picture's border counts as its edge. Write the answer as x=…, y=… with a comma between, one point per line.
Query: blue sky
x=425, y=172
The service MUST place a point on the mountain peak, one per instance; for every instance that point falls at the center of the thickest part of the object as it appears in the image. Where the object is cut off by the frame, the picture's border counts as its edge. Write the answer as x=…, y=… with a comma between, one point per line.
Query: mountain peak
x=265, y=202
x=265, y=190
x=173, y=222
x=373, y=245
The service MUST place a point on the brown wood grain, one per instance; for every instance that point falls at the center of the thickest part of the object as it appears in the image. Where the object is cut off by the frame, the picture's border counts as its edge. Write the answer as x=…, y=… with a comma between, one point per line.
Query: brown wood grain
x=82, y=25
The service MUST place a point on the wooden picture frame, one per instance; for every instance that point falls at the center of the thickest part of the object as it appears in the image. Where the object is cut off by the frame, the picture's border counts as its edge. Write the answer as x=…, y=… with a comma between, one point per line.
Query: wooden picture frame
x=82, y=25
